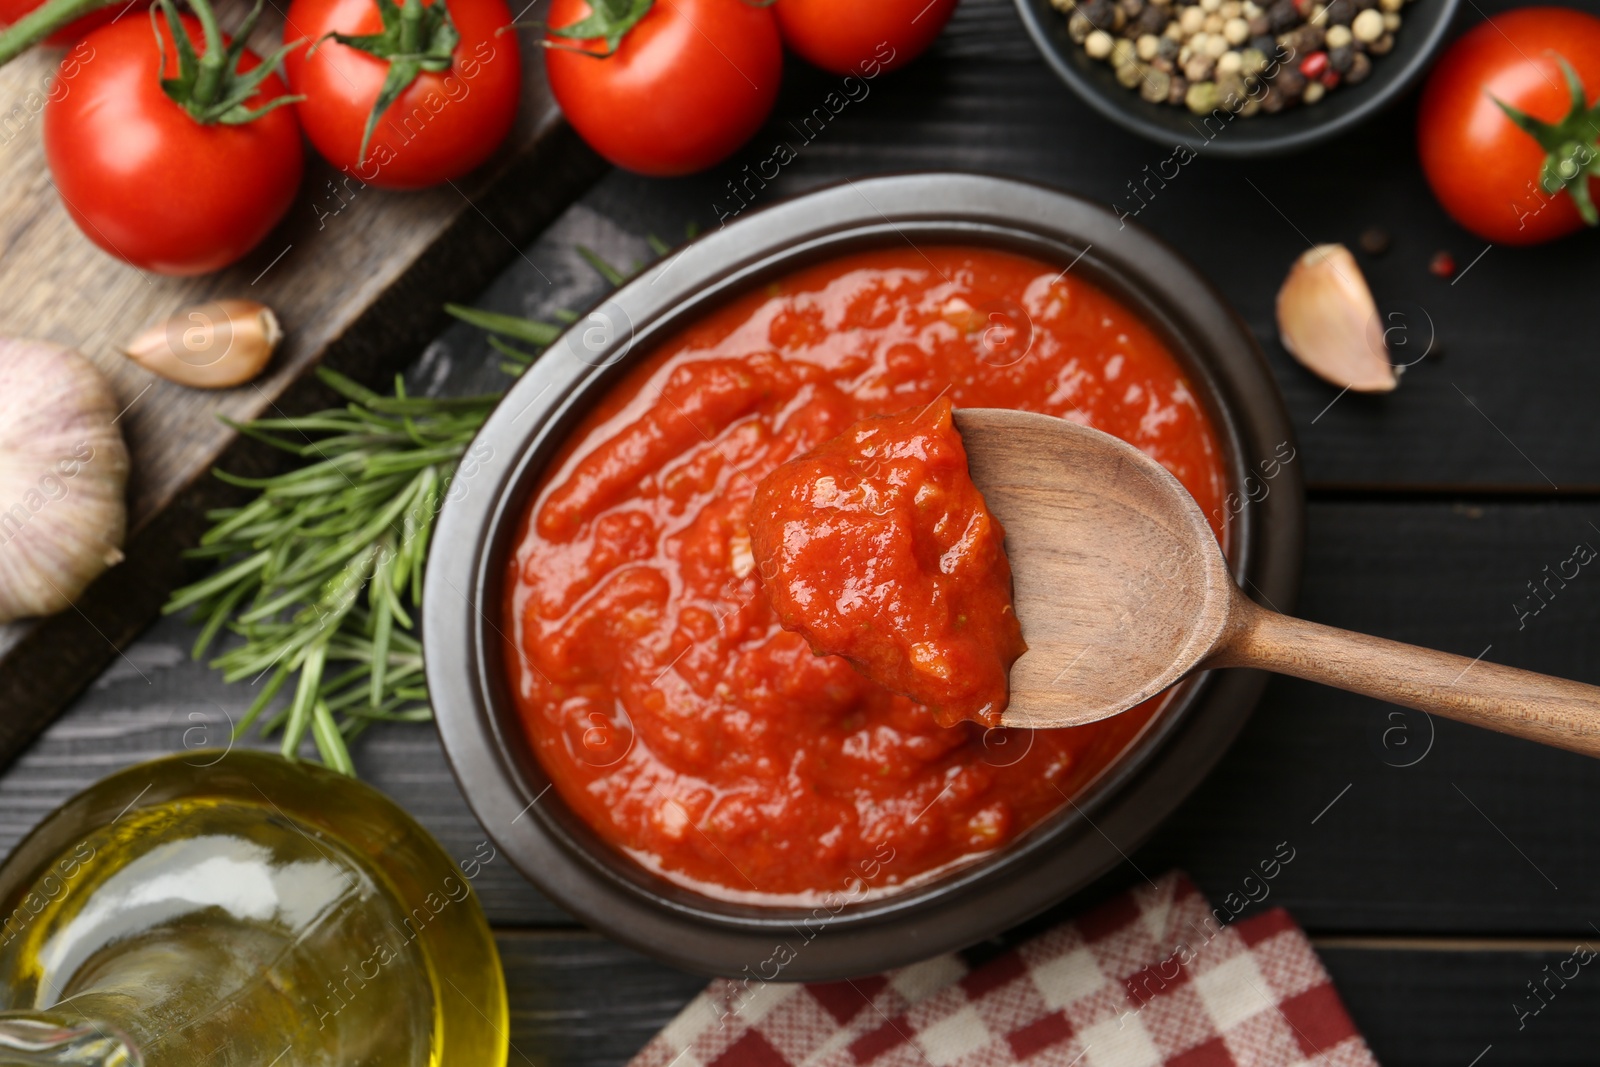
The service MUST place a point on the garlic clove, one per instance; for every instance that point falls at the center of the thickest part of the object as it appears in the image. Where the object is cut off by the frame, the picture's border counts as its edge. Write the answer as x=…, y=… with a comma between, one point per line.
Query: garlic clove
x=209, y=346
x=1328, y=321
x=63, y=474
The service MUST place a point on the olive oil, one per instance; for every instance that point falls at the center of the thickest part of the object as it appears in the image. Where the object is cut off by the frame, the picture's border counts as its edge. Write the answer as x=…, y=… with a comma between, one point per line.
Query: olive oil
x=254, y=913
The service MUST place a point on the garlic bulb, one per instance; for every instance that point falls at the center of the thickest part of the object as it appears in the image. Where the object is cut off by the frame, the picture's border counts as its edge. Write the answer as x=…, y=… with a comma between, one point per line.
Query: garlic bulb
x=63, y=469
x=1328, y=321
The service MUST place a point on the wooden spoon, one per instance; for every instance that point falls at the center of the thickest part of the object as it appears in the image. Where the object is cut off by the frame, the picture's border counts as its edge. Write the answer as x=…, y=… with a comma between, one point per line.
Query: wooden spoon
x=1122, y=591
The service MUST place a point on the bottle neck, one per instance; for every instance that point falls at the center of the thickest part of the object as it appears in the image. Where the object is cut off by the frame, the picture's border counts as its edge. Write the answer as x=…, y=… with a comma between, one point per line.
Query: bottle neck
x=51, y=1039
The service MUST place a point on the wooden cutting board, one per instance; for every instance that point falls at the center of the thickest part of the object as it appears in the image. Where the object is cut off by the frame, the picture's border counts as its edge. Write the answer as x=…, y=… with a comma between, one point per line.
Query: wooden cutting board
x=358, y=277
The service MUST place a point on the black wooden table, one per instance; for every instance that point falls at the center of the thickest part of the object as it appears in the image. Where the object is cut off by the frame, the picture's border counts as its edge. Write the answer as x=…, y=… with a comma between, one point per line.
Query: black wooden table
x=1438, y=869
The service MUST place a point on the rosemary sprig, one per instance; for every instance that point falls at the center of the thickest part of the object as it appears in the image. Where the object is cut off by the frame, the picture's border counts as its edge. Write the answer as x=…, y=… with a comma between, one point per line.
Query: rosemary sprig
x=321, y=573
x=320, y=576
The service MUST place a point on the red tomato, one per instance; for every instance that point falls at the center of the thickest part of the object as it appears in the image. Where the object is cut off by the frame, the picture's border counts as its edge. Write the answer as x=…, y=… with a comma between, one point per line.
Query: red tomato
x=686, y=86
x=441, y=126
x=13, y=10
x=1484, y=169
x=861, y=36
x=147, y=182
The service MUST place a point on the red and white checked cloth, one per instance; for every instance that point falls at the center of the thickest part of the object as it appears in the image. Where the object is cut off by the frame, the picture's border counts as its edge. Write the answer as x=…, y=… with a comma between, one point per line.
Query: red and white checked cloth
x=1148, y=979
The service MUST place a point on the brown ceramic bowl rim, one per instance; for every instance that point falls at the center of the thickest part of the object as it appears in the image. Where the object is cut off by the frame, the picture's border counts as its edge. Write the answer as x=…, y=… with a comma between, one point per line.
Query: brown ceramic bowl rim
x=464, y=644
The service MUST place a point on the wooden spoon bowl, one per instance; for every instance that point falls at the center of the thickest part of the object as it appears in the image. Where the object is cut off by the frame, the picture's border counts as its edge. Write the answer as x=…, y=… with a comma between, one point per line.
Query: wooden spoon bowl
x=1122, y=591
x=1118, y=579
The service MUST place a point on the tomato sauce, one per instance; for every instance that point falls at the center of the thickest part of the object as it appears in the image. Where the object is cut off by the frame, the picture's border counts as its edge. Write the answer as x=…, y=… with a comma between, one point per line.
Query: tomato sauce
x=673, y=712
x=877, y=547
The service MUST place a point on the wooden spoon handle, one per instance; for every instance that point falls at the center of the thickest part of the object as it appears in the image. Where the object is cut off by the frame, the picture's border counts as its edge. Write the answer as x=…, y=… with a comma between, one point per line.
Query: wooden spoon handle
x=1552, y=711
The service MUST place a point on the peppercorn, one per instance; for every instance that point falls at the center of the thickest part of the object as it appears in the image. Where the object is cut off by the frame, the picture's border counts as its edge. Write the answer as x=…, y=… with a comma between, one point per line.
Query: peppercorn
x=1360, y=67
x=1131, y=8
x=1101, y=13
x=1272, y=100
x=1178, y=91
x=1338, y=37
x=1291, y=83
x=1129, y=75
x=1341, y=59
x=1157, y=84
x=1266, y=44
x=1367, y=26
x=1079, y=27
x=1314, y=64
x=1098, y=44
x=1230, y=87
x=1314, y=92
x=1199, y=68
x=1382, y=46
x=1203, y=98
x=1151, y=21
x=1339, y=13
x=1167, y=48
x=1282, y=16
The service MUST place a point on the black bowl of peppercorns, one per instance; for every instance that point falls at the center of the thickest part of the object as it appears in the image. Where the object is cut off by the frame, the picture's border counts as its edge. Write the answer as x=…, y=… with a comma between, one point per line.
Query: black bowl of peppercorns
x=1238, y=77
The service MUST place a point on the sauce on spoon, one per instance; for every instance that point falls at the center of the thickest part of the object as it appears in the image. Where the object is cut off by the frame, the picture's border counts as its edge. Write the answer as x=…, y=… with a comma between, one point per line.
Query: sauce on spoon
x=877, y=547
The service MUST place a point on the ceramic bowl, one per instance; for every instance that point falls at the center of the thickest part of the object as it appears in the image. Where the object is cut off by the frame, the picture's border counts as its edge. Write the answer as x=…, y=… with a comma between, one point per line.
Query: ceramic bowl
x=1419, y=38
x=465, y=649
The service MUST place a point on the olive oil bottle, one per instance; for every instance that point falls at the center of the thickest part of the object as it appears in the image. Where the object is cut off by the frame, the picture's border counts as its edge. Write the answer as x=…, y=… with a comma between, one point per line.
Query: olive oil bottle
x=252, y=912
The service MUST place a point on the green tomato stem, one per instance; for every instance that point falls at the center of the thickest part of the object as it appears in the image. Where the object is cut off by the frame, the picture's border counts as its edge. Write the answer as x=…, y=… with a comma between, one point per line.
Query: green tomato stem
x=411, y=27
x=41, y=22
x=208, y=80
x=1571, y=146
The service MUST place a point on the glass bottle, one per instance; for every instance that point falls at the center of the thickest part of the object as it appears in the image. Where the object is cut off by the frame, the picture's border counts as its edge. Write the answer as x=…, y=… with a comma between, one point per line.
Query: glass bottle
x=240, y=910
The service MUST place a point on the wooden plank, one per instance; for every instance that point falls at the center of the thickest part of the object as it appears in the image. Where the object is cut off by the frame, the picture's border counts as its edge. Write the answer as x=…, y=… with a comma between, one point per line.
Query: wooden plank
x=356, y=278
x=579, y=1000
x=1425, y=1008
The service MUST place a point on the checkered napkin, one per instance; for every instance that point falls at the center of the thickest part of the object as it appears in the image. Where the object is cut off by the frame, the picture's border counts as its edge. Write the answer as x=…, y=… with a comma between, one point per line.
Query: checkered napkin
x=1150, y=978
